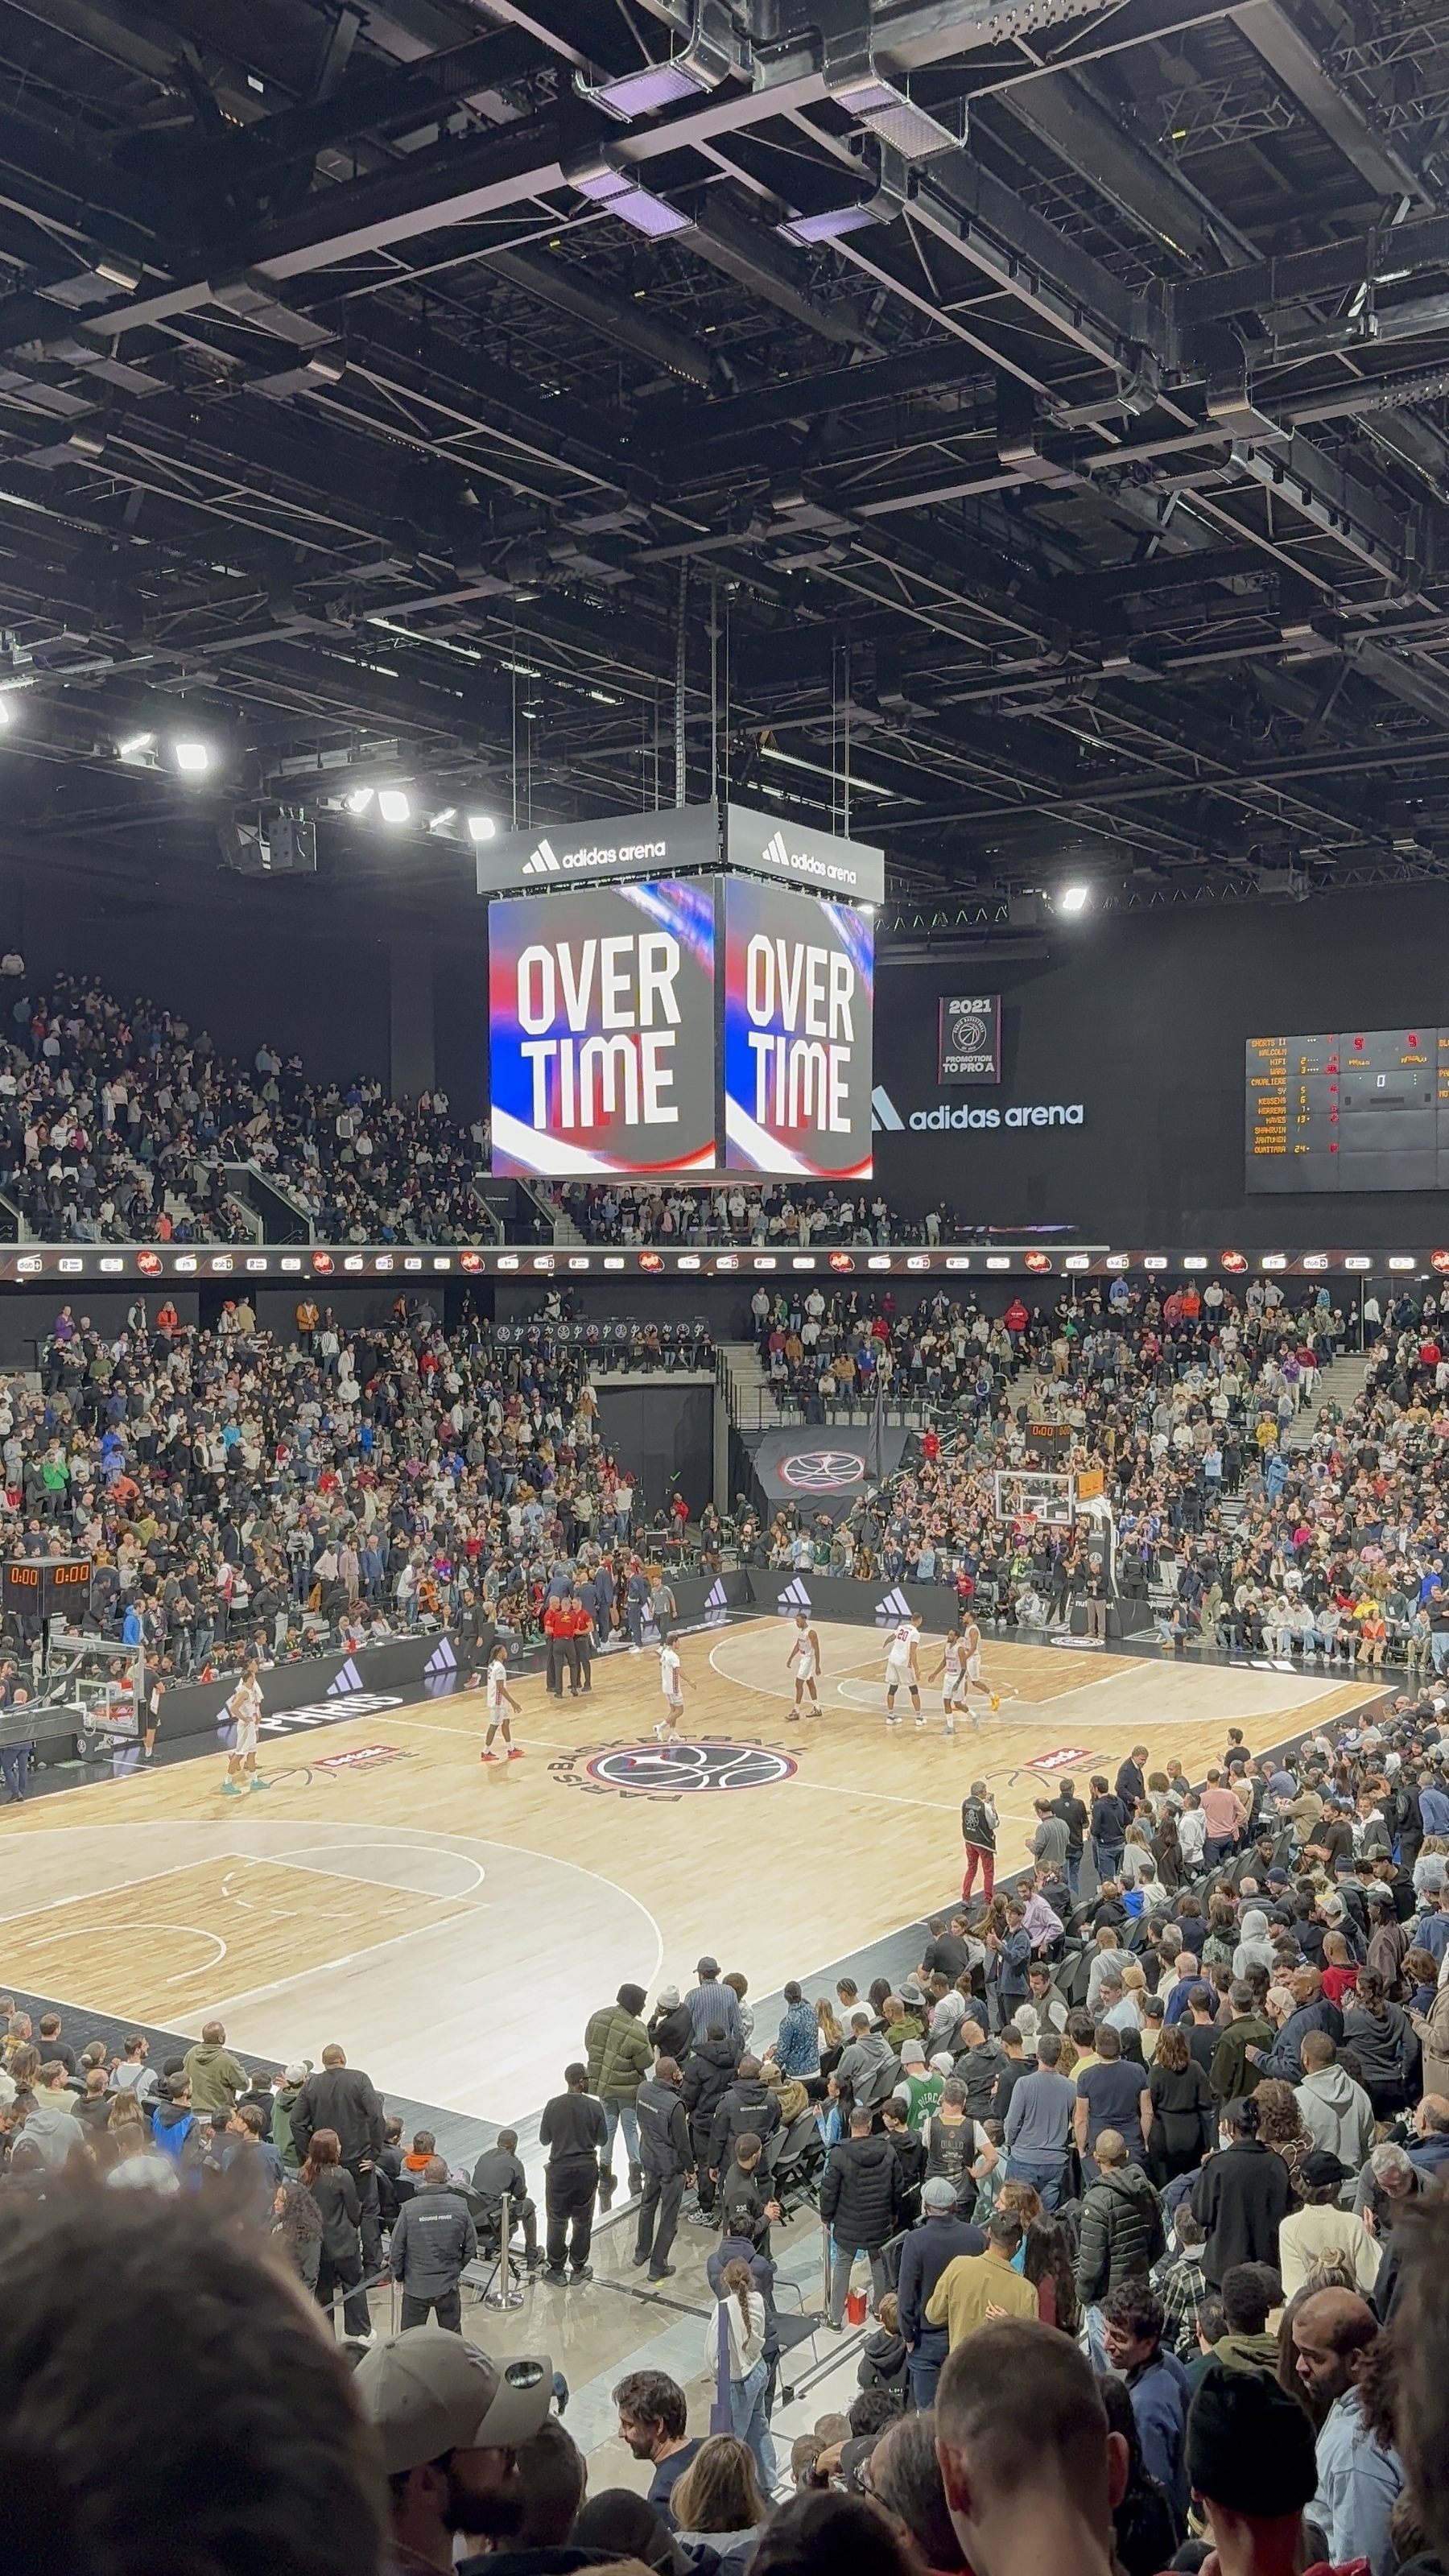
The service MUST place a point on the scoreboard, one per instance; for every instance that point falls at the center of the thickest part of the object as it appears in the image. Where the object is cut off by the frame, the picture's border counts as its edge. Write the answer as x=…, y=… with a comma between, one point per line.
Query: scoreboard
x=1359, y=1109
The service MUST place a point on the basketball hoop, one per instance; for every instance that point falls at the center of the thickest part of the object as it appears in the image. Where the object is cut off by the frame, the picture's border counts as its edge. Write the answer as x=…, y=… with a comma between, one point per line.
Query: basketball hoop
x=1032, y=1494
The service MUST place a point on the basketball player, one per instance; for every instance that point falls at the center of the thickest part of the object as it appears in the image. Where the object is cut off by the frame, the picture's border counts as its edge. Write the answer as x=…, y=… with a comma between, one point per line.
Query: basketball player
x=804, y=1654
x=500, y=1698
x=672, y=1678
x=244, y=1708
x=950, y=1673
x=973, y=1670
x=903, y=1664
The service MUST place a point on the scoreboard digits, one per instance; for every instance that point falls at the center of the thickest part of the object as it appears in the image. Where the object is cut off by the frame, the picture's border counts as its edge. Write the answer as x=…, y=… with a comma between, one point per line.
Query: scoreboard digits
x=1357, y=1109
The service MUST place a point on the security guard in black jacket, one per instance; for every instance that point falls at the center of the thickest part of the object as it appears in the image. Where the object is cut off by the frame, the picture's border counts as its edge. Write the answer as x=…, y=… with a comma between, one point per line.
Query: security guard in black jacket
x=433, y=2238
x=667, y=2158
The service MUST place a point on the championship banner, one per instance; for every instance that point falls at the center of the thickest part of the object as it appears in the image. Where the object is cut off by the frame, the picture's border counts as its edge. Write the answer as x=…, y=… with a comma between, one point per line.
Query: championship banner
x=601, y=1031
x=799, y=977
x=968, y=1044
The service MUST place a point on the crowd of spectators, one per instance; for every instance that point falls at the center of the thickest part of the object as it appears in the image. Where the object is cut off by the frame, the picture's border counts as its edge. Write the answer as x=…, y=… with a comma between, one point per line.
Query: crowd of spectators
x=118, y=1122
x=738, y=1211
x=1150, y=2178
x=240, y=1487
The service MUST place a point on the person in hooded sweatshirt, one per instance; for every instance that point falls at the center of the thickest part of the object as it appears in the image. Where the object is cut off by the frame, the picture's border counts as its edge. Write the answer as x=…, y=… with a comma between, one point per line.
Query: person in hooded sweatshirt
x=709, y=2071
x=747, y=2107
x=671, y=2026
x=869, y=2070
x=1334, y=2109
x=860, y=2197
x=1254, y=1949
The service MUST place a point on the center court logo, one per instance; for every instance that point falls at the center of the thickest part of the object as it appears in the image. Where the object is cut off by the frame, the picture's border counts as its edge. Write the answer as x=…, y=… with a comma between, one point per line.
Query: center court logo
x=710, y=1767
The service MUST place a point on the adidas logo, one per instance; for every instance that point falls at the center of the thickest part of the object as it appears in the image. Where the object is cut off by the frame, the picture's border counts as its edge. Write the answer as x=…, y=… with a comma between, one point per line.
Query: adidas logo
x=775, y=851
x=347, y=1681
x=795, y=1597
x=895, y=1606
x=884, y=1113
x=442, y=1659
x=540, y=862
x=715, y=1598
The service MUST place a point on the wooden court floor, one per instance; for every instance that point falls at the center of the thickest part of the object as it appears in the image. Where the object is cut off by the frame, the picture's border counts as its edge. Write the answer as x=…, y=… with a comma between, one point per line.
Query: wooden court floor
x=453, y=1924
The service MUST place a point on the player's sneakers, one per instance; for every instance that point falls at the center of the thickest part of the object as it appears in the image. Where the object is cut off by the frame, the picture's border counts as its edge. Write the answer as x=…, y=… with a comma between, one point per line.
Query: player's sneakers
x=893, y=1721
x=487, y=1757
x=255, y=1783
x=920, y=1721
x=231, y=1788
x=950, y=1726
x=515, y=1753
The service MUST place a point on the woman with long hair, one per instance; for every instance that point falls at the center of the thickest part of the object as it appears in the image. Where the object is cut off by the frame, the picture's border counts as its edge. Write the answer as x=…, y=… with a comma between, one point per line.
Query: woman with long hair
x=1184, y=2121
x=832, y=2037
x=735, y=2341
x=1378, y=2033
x=1281, y=2124
x=1048, y=2266
x=718, y=2499
x=340, y=2265
x=297, y=2228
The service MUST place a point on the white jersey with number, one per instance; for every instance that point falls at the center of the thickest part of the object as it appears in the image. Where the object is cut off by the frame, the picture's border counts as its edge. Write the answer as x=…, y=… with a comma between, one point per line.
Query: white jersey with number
x=898, y=1652
x=497, y=1684
x=952, y=1669
x=669, y=1681
x=803, y=1657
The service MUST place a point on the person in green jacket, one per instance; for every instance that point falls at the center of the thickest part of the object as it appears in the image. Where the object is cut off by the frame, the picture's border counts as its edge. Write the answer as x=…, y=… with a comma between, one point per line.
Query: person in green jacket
x=293, y=2079
x=620, y=2056
x=215, y=2077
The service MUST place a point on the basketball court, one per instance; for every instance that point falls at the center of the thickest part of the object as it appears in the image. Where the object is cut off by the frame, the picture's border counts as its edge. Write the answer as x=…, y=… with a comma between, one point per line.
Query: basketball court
x=453, y=1925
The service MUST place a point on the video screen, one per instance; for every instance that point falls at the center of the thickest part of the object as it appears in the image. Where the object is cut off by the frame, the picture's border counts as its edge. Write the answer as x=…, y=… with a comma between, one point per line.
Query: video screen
x=799, y=1002
x=601, y=1021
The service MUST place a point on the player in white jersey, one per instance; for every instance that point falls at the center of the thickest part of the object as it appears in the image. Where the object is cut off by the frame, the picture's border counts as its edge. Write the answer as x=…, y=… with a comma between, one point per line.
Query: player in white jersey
x=903, y=1665
x=804, y=1658
x=961, y=1666
x=244, y=1708
x=502, y=1708
x=672, y=1679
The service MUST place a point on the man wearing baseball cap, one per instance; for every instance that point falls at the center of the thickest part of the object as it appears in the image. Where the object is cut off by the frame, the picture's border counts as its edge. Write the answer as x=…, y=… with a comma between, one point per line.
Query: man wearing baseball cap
x=449, y=2421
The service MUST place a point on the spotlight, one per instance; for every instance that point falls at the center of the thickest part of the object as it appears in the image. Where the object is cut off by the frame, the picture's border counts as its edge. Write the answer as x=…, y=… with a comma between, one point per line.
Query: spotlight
x=7, y=712
x=481, y=827
x=135, y=745
x=1073, y=898
x=359, y=800
x=119, y=269
x=192, y=758
x=393, y=805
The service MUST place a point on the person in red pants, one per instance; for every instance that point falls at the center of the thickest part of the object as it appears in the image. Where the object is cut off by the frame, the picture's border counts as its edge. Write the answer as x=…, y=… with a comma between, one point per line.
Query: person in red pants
x=978, y=1832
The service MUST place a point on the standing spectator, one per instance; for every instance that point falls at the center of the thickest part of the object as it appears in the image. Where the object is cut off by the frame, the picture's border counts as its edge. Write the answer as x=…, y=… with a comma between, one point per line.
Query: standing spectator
x=666, y=2159
x=217, y=2080
x=574, y=2128
x=653, y=2424
x=619, y=2058
x=1250, y=2459
x=977, y=2289
x=1122, y=2233
x=1334, y=2335
x=1133, y=2323
x=734, y=2341
x=1039, y=2123
x=335, y=2193
x=1183, y=2122
x=433, y=2240
x=942, y=2235
x=1241, y=2196
x=860, y=2195
x=341, y=2098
